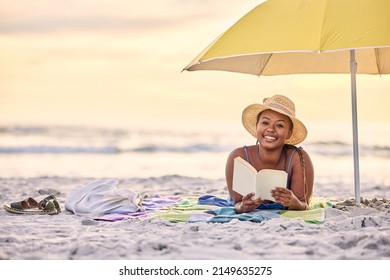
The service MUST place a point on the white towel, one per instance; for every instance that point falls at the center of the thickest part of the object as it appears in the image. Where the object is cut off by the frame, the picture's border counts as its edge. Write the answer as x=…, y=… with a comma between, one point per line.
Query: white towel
x=101, y=197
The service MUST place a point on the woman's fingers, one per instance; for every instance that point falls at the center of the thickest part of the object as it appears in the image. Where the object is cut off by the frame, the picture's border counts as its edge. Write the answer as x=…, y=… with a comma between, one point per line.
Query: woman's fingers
x=282, y=195
x=249, y=203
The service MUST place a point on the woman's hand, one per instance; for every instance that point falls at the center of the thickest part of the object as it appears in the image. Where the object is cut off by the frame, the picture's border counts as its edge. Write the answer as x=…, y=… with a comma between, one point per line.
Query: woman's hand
x=284, y=196
x=247, y=204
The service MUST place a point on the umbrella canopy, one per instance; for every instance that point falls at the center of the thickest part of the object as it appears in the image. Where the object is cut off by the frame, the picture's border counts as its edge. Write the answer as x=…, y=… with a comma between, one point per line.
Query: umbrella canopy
x=307, y=36
x=304, y=36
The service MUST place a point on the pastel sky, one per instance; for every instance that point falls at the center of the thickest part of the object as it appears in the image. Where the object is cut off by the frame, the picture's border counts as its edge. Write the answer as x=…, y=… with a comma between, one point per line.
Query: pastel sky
x=120, y=61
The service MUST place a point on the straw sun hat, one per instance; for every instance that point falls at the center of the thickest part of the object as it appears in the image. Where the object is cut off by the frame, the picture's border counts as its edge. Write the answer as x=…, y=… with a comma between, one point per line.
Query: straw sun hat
x=280, y=104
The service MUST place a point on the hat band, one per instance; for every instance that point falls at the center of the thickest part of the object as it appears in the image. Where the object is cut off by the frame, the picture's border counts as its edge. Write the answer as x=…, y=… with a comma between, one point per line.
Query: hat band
x=284, y=109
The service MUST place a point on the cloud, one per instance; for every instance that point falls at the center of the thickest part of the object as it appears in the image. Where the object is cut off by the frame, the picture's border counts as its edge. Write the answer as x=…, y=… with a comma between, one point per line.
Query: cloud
x=89, y=23
x=49, y=16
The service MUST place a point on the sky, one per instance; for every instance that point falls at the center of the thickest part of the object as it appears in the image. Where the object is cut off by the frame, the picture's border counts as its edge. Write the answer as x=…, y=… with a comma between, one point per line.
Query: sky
x=119, y=62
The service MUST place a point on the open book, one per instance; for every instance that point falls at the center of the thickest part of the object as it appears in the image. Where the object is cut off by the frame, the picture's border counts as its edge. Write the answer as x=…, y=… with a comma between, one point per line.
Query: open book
x=246, y=179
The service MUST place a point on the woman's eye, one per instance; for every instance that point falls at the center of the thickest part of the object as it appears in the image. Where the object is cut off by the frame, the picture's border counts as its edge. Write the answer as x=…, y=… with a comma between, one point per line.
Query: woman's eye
x=279, y=125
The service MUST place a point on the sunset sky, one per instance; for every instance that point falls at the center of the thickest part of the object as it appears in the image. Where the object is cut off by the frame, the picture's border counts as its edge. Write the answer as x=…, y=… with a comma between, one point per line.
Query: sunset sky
x=118, y=62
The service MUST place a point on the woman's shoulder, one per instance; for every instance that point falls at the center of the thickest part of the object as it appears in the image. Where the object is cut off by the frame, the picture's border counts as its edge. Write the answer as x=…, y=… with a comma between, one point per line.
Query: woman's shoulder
x=240, y=151
x=291, y=149
x=297, y=154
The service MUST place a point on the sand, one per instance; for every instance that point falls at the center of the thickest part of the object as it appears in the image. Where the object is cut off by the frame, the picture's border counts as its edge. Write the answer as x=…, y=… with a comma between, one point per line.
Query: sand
x=349, y=232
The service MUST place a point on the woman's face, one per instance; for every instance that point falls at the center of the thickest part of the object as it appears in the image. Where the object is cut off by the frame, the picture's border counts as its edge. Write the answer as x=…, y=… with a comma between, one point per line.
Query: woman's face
x=273, y=129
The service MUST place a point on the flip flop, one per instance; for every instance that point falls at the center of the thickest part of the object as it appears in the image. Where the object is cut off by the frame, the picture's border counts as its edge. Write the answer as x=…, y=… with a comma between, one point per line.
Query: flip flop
x=48, y=205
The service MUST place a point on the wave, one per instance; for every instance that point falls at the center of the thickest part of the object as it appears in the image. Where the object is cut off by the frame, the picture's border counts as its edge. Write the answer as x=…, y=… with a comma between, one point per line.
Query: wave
x=59, y=150
x=91, y=140
x=327, y=149
x=40, y=149
x=193, y=148
x=336, y=148
x=61, y=131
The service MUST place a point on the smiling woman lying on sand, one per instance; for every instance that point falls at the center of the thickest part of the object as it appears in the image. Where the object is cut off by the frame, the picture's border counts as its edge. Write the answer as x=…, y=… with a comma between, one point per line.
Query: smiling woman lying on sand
x=277, y=131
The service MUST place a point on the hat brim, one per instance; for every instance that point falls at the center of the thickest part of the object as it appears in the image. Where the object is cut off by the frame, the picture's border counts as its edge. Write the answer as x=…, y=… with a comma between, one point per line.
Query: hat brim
x=249, y=118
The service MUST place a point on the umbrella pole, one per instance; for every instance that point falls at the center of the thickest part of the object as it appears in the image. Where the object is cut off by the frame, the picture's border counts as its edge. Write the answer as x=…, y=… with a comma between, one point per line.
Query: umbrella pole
x=355, y=128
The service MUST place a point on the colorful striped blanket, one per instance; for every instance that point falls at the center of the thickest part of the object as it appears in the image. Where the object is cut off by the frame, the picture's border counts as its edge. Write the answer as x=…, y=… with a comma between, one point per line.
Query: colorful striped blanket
x=213, y=209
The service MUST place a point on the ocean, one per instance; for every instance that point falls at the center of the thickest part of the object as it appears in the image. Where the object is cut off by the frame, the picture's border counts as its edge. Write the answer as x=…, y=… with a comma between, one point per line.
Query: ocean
x=188, y=153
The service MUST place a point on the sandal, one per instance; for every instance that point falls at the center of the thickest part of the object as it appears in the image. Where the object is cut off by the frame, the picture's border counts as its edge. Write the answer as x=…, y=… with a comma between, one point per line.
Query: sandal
x=48, y=205
x=51, y=198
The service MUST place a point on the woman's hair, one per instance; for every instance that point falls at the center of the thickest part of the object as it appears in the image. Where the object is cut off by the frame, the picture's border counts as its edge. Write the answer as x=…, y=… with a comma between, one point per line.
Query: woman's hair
x=302, y=161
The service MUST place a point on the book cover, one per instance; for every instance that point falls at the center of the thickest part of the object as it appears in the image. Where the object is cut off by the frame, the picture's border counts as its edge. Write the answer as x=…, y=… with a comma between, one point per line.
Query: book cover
x=246, y=179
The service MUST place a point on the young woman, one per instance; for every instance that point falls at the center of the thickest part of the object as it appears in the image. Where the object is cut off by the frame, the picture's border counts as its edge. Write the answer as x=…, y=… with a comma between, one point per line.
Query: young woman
x=277, y=131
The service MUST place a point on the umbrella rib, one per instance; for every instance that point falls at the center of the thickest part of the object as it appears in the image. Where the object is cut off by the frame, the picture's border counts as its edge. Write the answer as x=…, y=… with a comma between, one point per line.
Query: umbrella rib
x=322, y=28
x=377, y=61
x=265, y=64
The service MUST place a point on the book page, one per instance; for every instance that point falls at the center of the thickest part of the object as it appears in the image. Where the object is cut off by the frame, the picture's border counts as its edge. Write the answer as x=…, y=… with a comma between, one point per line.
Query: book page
x=267, y=180
x=244, y=177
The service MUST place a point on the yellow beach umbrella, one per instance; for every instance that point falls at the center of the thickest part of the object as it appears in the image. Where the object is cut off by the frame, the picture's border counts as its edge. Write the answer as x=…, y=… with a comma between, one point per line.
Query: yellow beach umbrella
x=307, y=36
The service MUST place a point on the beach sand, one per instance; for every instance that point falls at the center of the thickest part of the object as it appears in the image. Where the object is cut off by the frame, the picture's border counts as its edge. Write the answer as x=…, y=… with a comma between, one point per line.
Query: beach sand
x=349, y=231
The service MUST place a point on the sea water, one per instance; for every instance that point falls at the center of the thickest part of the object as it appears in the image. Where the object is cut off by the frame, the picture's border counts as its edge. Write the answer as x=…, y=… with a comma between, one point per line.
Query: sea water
x=139, y=152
